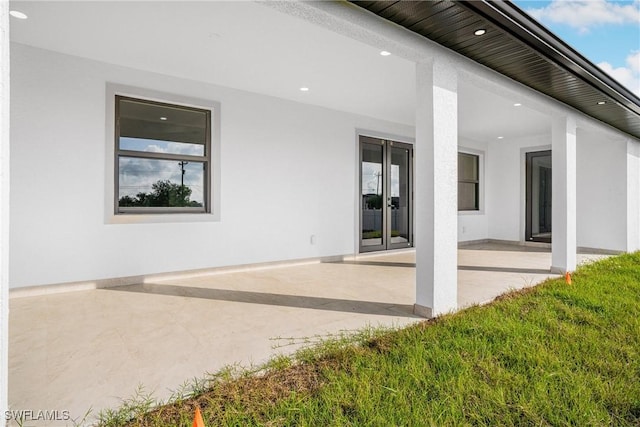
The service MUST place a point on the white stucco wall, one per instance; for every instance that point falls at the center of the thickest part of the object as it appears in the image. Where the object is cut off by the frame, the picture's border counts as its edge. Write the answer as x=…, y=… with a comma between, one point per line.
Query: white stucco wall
x=4, y=203
x=506, y=184
x=601, y=188
x=474, y=225
x=287, y=172
x=601, y=191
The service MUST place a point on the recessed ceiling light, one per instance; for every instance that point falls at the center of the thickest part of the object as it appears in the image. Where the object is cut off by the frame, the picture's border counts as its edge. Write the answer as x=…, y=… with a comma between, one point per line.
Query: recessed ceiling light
x=17, y=14
x=480, y=32
x=501, y=137
x=304, y=89
x=602, y=102
x=517, y=104
x=385, y=53
x=163, y=118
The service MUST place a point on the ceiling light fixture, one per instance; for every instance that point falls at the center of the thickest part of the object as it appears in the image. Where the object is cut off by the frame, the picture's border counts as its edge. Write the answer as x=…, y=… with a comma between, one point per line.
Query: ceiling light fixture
x=517, y=104
x=304, y=89
x=501, y=137
x=18, y=14
x=480, y=32
x=385, y=53
x=602, y=102
x=163, y=118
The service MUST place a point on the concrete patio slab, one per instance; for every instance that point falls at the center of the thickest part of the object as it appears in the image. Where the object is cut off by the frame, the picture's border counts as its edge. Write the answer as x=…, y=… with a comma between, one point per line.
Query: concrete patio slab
x=89, y=349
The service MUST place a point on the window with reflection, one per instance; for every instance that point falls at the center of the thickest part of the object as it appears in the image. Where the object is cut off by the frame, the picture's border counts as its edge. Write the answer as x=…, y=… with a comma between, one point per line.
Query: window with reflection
x=468, y=182
x=162, y=157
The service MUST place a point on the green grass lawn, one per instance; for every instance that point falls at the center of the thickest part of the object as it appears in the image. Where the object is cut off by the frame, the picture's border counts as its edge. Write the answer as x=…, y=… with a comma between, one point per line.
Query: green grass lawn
x=555, y=354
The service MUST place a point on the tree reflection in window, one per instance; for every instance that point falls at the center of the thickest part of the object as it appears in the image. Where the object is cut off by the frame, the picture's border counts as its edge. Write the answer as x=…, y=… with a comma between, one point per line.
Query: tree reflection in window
x=165, y=193
x=163, y=156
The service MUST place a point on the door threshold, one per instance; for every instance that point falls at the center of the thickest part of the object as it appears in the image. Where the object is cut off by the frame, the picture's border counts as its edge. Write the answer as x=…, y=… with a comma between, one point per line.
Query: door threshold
x=383, y=252
x=537, y=244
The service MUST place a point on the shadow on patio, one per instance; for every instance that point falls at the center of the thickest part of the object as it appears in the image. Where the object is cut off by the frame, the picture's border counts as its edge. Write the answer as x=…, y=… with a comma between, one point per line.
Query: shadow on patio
x=266, y=298
x=76, y=350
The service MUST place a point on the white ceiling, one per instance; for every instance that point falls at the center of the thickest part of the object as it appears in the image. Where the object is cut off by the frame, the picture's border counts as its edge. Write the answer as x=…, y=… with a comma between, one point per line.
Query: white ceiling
x=484, y=116
x=253, y=47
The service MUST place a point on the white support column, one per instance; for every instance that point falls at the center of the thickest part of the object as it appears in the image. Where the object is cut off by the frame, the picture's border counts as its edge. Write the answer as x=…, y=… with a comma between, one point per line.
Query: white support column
x=4, y=204
x=436, y=188
x=563, y=199
x=633, y=196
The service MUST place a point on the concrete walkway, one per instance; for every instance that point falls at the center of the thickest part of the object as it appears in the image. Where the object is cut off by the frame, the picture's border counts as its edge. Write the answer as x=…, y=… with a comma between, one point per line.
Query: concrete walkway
x=89, y=349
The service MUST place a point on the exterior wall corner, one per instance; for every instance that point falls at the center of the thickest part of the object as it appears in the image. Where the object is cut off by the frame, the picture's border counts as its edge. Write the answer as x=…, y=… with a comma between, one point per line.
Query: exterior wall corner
x=4, y=202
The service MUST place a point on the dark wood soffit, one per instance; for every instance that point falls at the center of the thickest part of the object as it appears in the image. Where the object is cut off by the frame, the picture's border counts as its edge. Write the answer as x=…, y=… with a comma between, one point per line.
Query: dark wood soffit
x=518, y=47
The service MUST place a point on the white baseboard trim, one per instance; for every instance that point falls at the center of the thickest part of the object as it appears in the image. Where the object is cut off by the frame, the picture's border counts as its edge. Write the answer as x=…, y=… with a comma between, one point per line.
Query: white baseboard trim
x=31, y=291
x=422, y=311
x=596, y=251
x=472, y=242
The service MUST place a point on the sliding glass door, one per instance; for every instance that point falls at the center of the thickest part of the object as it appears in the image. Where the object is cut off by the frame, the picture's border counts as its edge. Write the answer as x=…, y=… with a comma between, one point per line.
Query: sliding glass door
x=386, y=176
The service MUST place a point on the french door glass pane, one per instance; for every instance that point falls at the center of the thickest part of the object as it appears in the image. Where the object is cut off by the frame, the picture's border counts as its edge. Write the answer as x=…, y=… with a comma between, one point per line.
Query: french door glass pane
x=399, y=195
x=372, y=187
x=541, y=197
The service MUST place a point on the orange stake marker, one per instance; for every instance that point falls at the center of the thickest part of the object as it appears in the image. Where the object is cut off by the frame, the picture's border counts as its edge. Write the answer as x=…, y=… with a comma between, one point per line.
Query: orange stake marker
x=567, y=278
x=197, y=418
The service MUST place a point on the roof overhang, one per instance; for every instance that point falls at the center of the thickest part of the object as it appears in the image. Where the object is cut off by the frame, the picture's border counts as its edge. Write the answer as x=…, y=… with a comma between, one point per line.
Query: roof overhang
x=518, y=47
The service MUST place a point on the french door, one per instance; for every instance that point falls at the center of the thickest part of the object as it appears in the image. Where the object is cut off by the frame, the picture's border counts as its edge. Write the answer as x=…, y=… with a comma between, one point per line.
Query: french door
x=386, y=194
x=538, y=204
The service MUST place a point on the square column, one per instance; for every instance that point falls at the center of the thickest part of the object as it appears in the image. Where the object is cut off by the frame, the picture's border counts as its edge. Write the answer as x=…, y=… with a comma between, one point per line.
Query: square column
x=563, y=198
x=436, y=188
x=633, y=196
x=4, y=204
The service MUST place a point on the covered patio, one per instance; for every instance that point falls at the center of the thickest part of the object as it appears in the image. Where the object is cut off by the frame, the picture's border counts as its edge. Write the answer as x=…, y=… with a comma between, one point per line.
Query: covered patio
x=89, y=349
x=287, y=90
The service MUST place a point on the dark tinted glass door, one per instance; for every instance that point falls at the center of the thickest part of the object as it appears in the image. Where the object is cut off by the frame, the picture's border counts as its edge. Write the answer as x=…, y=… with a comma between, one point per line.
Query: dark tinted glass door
x=538, y=215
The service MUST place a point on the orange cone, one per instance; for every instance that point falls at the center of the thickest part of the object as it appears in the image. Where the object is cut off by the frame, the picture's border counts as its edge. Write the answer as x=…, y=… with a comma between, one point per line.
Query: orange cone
x=197, y=418
x=567, y=278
